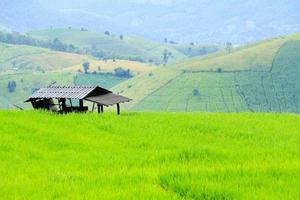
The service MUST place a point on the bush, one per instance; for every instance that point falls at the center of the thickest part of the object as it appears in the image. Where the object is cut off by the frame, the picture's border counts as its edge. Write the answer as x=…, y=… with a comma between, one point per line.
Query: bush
x=11, y=86
x=120, y=72
x=196, y=92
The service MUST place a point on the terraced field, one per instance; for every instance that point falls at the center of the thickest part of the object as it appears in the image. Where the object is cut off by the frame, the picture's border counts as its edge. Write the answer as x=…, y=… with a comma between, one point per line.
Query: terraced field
x=206, y=92
x=262, y=78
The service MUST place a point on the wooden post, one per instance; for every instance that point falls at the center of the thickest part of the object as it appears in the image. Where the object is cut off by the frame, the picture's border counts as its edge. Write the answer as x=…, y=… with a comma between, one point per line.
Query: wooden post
x=80, y=104
x=63, y=105
x=118, y=109
x=98, y=105
x=33, y=104
x=102, y=110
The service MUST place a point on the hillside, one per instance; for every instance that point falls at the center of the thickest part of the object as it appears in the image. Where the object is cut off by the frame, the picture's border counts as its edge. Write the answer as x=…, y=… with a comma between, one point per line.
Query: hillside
x=263, y=77
x=33, y=67
x=132, y=48
x=22, y=57
x=149, y=156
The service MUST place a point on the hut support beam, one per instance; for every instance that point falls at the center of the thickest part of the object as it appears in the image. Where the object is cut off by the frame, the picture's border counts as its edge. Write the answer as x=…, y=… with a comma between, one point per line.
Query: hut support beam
x=63, y=105
x=100, y=108
x=81, y=104
x=118, y=109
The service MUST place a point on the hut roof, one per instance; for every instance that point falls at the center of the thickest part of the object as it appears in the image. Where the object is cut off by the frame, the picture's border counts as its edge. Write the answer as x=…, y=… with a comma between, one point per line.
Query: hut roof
x=95, y=94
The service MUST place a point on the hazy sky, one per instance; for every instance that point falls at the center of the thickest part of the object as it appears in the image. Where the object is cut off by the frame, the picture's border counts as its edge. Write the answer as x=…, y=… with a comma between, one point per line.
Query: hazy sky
x=239, y=21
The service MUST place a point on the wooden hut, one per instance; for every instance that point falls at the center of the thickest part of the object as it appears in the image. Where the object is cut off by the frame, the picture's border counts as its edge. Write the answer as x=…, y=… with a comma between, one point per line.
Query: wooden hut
x=64, y=99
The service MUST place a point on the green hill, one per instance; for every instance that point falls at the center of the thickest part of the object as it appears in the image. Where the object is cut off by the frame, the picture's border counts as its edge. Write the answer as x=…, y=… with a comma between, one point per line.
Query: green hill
x=263, y=77
x=22, y=57
x=33, y=67
x=132, y=48
x=149, y=156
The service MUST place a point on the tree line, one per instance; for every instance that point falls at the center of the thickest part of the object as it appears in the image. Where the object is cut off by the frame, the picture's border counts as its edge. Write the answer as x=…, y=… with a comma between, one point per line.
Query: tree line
x=54, y=44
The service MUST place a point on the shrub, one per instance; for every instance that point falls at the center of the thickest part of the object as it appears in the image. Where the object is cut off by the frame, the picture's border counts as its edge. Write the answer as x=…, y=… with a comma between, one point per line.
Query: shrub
x=11, y=86
x=120, y=72
x=196, y=92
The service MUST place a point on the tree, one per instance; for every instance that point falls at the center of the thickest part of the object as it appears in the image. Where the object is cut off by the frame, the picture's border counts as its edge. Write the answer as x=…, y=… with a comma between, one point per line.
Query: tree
x=11, y=86
x=165, y=56
x=166, y=40
x=228, y=47
x=57, y=45
x=107, y=33
x=203, y=51
x=121, y=37
x=86, y=67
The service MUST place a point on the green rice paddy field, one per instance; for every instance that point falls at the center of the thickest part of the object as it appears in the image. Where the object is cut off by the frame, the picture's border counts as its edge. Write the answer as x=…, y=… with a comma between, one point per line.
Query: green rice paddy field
x=149, y=156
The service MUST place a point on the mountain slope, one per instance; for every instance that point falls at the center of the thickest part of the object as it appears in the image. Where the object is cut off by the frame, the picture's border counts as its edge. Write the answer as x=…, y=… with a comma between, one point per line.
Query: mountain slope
x=32, y=67
x=23, y=57
x=132, y=48
x=269, y=85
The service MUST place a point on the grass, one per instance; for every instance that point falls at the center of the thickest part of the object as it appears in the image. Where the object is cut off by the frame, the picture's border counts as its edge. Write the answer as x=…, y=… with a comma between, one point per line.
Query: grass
x=149, y=156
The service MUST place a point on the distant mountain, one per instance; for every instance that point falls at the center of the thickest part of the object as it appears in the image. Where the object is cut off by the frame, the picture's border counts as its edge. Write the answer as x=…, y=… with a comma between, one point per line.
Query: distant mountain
x=238, y=21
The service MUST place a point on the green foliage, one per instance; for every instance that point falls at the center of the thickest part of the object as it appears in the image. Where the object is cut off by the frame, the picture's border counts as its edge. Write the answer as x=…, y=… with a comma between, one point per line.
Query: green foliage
x=149, y=156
